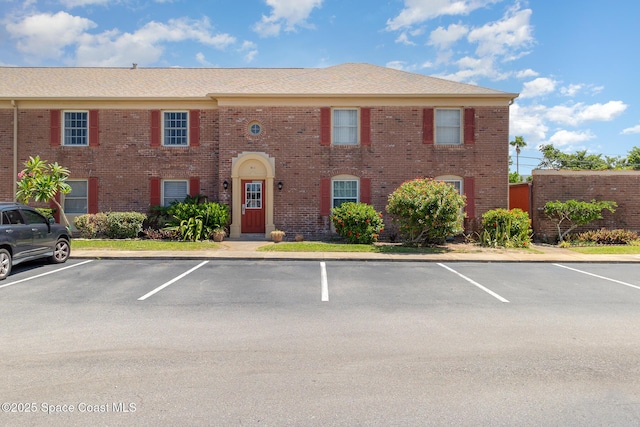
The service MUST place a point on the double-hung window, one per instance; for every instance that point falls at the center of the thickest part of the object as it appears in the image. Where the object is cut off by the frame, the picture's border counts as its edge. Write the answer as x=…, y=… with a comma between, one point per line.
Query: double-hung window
x=345, y=126
x=174, y=191
x=76, y=202
x=344, y=190
x=448, y=126
x=76, y=128
x=176, y=129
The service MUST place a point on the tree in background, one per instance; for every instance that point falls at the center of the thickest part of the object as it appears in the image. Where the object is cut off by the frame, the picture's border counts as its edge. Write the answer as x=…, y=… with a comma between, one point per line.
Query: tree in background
x=553, y=158
x=633, y=159
x=42, y=181
x=518, y=143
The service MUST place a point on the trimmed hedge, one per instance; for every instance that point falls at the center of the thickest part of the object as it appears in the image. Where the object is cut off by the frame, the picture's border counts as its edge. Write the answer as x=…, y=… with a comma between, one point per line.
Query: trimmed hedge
x=111, y=225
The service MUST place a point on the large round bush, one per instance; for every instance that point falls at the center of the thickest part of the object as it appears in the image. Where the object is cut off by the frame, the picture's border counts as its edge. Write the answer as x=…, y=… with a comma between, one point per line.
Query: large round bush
x=357, y=222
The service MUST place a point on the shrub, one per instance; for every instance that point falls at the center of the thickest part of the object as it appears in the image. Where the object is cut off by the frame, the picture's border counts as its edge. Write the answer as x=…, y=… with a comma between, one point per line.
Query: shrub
x=572, y=213
x=604, y=237
x=357, y=222
x=507, y=228
x=112, y=225
x=197, y=221
x=91, y=226
x=124, y=225
x=426, y=211
x=47, y=212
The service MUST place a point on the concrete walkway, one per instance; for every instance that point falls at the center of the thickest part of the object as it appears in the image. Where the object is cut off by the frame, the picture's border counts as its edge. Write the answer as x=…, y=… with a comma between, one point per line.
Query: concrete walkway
x=248, y=250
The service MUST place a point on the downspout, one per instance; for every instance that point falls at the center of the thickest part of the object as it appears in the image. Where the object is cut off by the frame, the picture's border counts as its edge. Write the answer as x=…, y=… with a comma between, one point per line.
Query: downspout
x=14, y=179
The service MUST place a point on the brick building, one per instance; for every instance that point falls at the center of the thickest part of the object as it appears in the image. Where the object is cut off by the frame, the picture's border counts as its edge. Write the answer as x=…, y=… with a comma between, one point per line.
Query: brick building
x=280, y=146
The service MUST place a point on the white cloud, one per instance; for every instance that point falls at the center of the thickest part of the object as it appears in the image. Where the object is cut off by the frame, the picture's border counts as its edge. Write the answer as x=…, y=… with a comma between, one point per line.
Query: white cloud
x=400, y=65
x=250, y=50
x=631, y=130
x=80, y=3
x=528, y=121
x=404, y=39
x=505, y=36
x=538, y=87
x=571, y=90
x=523, y=74
x=287, y=13
x=579, y=112
x=417, y=11
x=569, y=138
x=46, y=35
x=444, y=38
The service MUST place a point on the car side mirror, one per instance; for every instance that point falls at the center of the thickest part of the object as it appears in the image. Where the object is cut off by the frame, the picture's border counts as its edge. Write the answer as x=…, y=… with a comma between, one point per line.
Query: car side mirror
x=52, y=221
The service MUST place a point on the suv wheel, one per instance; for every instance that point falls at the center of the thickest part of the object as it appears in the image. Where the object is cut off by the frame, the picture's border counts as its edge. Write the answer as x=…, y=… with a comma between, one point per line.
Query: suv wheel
x=61, y=251
x=5, y=263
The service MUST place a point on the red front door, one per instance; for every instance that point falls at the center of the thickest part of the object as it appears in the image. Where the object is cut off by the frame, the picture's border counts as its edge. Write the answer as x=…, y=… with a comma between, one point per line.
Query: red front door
x=253, y=206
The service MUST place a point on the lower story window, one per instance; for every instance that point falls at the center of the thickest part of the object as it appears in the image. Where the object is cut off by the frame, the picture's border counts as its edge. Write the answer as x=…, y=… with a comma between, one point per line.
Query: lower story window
x=76, y=202
x=344, y=190
x=174, y=191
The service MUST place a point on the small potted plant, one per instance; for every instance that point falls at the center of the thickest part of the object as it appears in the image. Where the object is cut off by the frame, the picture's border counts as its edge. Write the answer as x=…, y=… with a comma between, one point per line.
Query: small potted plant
x=218, y=234
x=277, y=235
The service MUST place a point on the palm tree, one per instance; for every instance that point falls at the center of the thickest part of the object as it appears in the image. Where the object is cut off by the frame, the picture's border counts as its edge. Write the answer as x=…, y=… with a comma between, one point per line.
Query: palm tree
x=518, y=143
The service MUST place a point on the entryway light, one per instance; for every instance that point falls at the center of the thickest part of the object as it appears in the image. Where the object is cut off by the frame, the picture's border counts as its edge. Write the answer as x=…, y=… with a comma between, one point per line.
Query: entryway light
x=225, y=185
x=280, y=185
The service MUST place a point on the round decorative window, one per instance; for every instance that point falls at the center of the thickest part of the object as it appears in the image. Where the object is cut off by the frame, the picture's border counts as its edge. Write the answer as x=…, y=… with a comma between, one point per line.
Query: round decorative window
x=255, y=128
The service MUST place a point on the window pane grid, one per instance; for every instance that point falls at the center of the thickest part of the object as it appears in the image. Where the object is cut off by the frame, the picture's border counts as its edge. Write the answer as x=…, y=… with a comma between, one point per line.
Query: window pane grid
x=344, y=191
x=76, y=202
x=75, y=127
x=175, y=128
x=345, y=127
x=174, y=191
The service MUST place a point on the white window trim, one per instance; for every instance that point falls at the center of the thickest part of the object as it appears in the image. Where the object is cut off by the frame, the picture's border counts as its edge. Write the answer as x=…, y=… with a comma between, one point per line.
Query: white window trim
x=349, y=178
x=450, y=179
x=357, y=110
x=435, y=127
x=163, y=127
x=171, y=180
x=63, y=139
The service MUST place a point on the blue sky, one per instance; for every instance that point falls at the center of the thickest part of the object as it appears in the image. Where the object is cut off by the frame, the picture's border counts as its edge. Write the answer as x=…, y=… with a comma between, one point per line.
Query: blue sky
x=574, y=62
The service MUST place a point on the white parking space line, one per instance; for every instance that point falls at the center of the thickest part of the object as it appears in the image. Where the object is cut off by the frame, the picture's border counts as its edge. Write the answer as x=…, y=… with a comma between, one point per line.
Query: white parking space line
x=159, y=288
x=324, y=282
x=45, y=274
x=473, y=282
x=599, y=277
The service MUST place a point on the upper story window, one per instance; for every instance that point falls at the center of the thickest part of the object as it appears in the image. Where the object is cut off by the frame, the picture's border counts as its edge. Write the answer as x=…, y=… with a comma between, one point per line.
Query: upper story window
x=344, y=189
x=76, y=202
x=76, y=128
x=175, y=128
x=174, y=191
x=345, y=126
x=448, y=126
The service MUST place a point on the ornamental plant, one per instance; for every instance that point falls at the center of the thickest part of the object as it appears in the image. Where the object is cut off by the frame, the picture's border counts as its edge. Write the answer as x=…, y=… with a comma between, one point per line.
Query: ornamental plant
x=196, y=221
x=41, y=181
x=571, y=214
x=506, y=228
x=426, y=211
x=357, y=222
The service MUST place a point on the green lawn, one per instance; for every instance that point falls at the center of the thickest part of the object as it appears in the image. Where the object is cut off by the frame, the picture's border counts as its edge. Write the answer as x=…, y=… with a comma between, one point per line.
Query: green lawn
x=345, y=247
x=607, y=250
x=142, y=245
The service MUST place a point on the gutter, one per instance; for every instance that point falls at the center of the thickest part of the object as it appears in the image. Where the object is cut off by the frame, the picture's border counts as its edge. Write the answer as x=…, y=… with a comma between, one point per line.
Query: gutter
x=14, y=179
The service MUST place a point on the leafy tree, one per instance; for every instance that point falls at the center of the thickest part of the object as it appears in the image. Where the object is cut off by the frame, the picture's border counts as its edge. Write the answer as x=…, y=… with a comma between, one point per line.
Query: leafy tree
x=42, y=181
x=553, y=158
x=518, y=143
x=633, y=159
x=508, y=228
x=426, y=211
x=572, y=213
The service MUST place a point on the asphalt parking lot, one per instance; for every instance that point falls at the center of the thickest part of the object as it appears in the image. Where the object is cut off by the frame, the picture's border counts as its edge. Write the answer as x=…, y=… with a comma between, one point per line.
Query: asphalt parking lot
x=222, y=342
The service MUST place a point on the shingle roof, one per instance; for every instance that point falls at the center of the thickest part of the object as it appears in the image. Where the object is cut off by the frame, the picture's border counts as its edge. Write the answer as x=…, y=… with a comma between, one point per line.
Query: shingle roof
x=349, y=79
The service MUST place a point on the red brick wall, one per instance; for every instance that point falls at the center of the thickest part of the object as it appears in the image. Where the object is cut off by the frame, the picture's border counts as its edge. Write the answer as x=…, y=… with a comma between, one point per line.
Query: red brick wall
x=619, y=186
x=6, y=155
x=124, y=161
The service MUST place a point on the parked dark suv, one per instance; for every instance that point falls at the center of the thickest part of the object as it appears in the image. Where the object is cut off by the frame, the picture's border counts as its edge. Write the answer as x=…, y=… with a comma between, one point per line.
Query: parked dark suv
x=25, y=234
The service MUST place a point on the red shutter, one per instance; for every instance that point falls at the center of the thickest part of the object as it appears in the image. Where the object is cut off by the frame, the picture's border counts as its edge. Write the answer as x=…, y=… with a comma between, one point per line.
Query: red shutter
x=194, y=128
x=365, y=126
x=93, y=128
x=155, y=128
x=325, y=126
x=469, y=191
x=154, y=184
x=54, y=136
x=194, y=186
x=427, y=126
x=93, y=196
x=325, y=196
x=365, y=190
x=469, y=125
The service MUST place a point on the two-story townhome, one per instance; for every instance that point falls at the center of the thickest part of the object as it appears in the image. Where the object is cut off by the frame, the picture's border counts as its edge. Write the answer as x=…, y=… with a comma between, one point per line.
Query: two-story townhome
x=280, y=146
